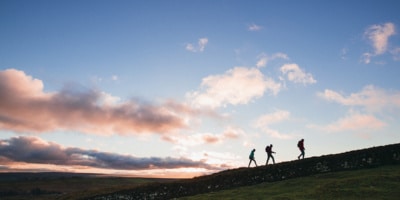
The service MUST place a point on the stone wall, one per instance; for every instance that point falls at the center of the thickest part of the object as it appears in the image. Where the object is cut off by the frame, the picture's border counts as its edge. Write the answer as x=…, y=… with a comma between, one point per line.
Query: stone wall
x=360, y=159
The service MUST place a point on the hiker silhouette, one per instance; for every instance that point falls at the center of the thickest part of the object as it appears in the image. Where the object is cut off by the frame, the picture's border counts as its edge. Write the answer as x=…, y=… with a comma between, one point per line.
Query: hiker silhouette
x=300, y=145
x=269, y=151
x=251, y=157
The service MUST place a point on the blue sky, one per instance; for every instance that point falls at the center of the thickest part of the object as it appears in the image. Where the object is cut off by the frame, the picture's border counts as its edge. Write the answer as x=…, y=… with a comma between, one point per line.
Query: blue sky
x=182, y=88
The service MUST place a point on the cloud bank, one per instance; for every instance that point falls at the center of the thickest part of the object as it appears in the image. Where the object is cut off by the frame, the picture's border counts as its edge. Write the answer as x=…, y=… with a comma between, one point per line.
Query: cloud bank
x=25, y=107
x=35, y=150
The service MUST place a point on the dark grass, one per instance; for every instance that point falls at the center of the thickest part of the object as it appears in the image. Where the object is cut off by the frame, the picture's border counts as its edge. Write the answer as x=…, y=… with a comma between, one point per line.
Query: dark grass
x=43, y=186
x=375, y=183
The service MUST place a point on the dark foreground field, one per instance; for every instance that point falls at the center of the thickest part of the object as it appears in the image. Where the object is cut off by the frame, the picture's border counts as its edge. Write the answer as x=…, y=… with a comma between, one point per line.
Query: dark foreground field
x=46, y=186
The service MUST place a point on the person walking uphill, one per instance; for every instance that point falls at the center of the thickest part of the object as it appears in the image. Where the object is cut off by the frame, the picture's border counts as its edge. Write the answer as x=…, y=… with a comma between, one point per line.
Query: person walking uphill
x=251, y=157
x=300, y=144
x=269, y=151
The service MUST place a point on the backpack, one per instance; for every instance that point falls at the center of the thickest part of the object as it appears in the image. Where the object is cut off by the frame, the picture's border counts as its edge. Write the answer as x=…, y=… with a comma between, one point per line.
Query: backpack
x=267, y=149
x=298, y=144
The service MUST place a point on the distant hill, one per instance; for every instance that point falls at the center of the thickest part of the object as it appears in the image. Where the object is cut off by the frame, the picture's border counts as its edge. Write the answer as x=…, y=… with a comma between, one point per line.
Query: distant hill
x=234, y=178
x=60, y=185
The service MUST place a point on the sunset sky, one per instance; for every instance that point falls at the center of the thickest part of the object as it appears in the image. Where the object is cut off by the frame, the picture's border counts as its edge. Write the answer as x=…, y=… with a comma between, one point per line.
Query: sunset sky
x=183, y=88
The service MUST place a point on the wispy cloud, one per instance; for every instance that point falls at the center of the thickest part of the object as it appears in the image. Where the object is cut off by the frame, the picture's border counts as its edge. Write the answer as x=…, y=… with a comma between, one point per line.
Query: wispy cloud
x=265, y=121
x=254, y=27
x=353, y=122
x=201, y=45
x=236, y=86
x=25, y=107
x=363, y=105
x=297, y=75
x=396, y=53
x=378, y=35
x=343, y=53
x=114, y=78
x=204, y=138
x=264, y=58
x=372, y=98
x=35, y=150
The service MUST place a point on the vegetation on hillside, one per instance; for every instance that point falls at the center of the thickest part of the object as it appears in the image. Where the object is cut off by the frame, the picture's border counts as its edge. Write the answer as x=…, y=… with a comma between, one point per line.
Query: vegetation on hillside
x=376, y=183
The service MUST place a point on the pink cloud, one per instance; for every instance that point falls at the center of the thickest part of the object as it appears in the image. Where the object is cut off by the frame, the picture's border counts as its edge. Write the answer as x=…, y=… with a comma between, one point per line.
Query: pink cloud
x=204, y=138
x=297, y=75
x=372, y=98
x=379, y=36
x=236, y=86
x=354, y=122
x=25, y=107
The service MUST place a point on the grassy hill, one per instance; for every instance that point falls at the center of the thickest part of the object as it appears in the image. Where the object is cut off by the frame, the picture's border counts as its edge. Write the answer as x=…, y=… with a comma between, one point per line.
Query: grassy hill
x=375, y=157
x=376, y=183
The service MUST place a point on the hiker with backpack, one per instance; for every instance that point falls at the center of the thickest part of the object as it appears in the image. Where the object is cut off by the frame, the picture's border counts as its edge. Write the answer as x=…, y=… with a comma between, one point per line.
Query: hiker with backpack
x=300, y=145
x=269, y=151
x=251, y=157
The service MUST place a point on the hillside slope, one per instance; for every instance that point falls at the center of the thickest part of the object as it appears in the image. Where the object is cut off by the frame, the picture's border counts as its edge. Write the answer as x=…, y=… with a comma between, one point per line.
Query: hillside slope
x=367, y=184
x=229, y=179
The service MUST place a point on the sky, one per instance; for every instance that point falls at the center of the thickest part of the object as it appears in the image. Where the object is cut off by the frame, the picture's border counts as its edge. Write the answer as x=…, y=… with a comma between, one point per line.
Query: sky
x=186, y=88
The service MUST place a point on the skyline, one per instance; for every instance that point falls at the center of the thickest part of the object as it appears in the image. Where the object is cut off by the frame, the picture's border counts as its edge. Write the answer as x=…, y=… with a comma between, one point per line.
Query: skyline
x=181, y=89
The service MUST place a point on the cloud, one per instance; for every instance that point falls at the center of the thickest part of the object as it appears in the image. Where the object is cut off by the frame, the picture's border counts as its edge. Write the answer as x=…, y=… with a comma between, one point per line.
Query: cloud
x=204, y=138
x=223, y=159
x=366, y=58
x=372, y=98
x=265, y=121
x=295, y=74
x=254, y=27
x=25, y=107
x=35, y=150
x=273, y=118
x=396, y=53
x=264, y=59
x=114, y=78
x=353, y=122
x=201, y=45
x=344, y=53
x=236, y=86
x=378, y=35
